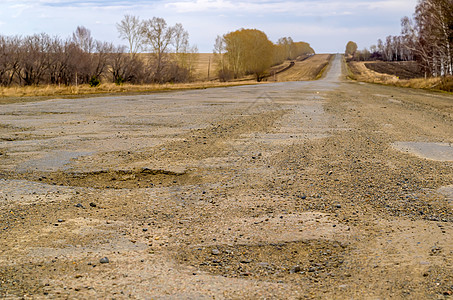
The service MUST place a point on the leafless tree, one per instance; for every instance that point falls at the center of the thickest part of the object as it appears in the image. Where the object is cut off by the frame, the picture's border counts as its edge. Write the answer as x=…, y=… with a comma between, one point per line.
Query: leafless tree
x=158, y=37
x=82, y=38
x=125, y=68
x=10, y=58
x=130, y=29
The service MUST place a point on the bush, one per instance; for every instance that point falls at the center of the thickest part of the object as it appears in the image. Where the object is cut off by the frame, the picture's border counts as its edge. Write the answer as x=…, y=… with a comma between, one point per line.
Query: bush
x=225, y=75
x=94, y=81
x=447, y=84
x=119, y=80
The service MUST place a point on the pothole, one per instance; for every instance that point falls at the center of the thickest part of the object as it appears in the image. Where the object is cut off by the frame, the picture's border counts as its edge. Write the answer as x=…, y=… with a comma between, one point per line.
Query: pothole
x=275, y=262
x=447, y=191
x=115, y=179
x=432, y=151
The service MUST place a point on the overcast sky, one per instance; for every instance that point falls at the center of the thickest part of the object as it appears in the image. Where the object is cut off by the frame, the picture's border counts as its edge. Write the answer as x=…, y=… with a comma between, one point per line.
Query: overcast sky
x=326, y=24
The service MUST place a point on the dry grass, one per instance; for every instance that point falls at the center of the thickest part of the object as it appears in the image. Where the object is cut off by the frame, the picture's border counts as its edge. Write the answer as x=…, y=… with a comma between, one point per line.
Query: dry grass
x=358, y=71
x=33, y=93
x=309, y=69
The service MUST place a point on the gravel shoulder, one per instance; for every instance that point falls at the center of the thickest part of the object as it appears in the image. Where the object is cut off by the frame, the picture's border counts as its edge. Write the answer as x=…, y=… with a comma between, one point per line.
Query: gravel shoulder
x=286, y=190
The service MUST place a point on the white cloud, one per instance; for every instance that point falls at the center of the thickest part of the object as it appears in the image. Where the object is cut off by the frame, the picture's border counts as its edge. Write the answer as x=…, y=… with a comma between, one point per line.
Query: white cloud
x=323, y=23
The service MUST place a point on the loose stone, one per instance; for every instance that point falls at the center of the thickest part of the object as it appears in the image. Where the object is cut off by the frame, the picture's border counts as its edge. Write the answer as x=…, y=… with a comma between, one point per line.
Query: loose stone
x=104, y=260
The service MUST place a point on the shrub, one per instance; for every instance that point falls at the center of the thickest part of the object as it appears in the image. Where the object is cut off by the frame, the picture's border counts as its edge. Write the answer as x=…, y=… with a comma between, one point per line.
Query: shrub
x=94, y=81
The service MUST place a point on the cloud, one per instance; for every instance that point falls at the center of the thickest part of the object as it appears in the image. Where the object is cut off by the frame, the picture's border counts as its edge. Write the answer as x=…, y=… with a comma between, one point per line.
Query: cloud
x=300, y=8
x=319, y=22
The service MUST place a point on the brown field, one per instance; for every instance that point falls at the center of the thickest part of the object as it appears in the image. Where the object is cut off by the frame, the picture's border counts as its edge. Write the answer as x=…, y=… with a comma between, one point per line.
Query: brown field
x=205, y=62
x=309, y=69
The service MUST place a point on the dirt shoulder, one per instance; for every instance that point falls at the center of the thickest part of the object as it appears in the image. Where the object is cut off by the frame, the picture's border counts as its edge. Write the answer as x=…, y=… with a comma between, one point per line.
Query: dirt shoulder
x=286, y=190
x=401, y=74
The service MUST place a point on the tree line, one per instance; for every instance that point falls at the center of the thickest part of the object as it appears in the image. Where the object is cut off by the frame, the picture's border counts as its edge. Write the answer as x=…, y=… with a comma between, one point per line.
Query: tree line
x=426, y=38
x=80, y=59
x=249, y=51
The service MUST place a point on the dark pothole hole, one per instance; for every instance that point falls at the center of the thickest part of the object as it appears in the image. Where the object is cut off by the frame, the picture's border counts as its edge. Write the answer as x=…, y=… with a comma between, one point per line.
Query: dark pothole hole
x=114, y=179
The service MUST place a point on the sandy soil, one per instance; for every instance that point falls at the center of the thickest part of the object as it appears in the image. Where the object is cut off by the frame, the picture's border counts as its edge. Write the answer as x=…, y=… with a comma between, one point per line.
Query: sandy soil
x=286, y=190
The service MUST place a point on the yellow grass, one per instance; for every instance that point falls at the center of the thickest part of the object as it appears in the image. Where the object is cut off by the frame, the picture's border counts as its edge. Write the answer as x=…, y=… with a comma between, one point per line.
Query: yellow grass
x=358, y=71
x=31, y=93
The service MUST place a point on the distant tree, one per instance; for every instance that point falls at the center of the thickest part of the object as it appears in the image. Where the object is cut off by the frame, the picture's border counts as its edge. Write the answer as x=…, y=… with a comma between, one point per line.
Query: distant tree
x=180, y=38
x=219, y=56
x=82, y=38
x=158, y=37
x=130, y=29
x=10, y=59
x=249, y=51
x=124, y=68
x=34, y=59
x=351, y=48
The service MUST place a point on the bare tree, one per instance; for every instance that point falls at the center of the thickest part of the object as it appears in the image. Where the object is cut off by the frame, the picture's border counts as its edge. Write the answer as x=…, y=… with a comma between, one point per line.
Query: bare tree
x=34, y=59
x=124, y=68
x=180, y=38
x=82, y=38
x=158, y=36
x=10, y=59
x=130, y=29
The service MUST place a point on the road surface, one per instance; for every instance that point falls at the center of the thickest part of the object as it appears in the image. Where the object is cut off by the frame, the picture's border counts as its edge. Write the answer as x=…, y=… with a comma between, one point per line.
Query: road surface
x=321, y=189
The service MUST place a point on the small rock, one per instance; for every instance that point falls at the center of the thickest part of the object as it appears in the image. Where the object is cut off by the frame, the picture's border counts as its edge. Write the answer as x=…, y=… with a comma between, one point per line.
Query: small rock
x=246, y=261
x=215, y=252
x=104, y=260
x=60, y=220
x=92, y=204
x=145, y=229
x=295, y=269
x=338, y=205
x=79, y=205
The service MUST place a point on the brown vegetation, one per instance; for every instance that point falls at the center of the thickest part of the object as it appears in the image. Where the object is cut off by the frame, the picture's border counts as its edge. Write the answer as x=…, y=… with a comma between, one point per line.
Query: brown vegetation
x=400, y=69
x=249, y=52
x=32, y=93
x=359, y=71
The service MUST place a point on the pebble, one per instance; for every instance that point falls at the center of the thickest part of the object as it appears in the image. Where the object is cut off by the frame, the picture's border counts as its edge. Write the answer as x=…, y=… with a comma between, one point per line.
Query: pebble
x=92, y=204
x=60, y=220
x=104, y=260
x=79, y=205
x=215, y=252
x=295, y=269
x=246, y=261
